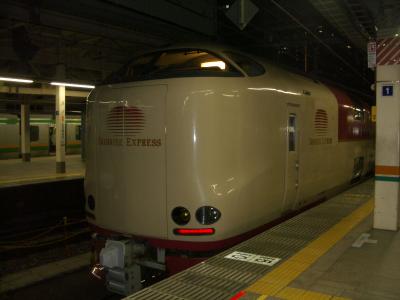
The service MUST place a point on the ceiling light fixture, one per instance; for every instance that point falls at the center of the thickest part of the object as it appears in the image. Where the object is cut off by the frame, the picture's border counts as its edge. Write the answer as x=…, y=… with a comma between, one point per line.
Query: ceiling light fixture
x=16, y=80
x=84, y=86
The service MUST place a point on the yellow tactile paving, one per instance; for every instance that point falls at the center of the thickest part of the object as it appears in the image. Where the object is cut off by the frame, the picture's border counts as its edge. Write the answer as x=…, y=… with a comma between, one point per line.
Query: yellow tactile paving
x=276, y=281
x=290, y=293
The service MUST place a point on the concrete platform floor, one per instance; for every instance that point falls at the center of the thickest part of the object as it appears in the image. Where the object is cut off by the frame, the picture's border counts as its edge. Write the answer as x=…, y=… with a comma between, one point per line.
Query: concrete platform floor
x=34, y=275
x=371, y=271
x=14, y=172
x=348, y=259
x=77, y=285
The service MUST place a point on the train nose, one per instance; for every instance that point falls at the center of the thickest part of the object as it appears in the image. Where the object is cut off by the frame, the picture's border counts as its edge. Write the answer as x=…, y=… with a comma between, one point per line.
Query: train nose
x=128, y=172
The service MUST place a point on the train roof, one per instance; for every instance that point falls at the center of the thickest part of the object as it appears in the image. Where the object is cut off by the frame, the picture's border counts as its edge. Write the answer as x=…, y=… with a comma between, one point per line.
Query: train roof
x=270, y=67
x=219, y=48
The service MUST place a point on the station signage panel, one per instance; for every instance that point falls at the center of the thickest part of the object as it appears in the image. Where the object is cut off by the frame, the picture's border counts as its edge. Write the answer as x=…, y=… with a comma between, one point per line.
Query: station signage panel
x=371, y=50
x=253, y=258
x=387, y=90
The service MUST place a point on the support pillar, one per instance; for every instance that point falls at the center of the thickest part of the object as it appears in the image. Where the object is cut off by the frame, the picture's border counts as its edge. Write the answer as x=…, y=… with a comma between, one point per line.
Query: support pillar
x=83, y=135
x=25, y=133
x=60, y=129
x=387, y=169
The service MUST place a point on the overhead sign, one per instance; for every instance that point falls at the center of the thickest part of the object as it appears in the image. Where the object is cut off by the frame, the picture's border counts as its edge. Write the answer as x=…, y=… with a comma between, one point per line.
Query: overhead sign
x=387, y=90
x=388, y=51
x=371, y=48
x=241, y=12
x=253, y=258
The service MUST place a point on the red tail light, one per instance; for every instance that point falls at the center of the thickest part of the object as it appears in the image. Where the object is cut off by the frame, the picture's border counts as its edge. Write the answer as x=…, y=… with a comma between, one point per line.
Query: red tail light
x=194, y=231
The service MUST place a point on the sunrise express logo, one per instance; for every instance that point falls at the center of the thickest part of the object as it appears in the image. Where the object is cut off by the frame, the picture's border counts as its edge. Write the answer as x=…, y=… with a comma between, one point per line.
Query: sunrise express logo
x=123, y=124
x=125, y=120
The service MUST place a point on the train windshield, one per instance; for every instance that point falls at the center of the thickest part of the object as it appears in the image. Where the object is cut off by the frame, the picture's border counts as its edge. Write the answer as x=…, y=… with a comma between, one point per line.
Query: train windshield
x=173, y=63
x=250, y=66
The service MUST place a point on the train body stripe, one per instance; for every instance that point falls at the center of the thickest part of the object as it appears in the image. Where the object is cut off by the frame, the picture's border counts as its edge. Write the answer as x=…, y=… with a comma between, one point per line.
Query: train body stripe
x=39, y=148
x=8, y=121
x=387, y=170
x=9, y=149
x=73, y=145
x=41, y=121
x=387, y=178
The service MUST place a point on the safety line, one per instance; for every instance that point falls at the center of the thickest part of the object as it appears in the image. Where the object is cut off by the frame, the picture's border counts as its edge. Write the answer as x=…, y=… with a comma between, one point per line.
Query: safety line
x=33, y=179
x=279, y=278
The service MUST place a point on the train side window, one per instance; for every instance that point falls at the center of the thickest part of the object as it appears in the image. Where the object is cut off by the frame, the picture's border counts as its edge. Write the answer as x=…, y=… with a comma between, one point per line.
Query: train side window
x=292, y=133
x=250, y=66
x=174, y=63
x=78, y=132
x=34, y=133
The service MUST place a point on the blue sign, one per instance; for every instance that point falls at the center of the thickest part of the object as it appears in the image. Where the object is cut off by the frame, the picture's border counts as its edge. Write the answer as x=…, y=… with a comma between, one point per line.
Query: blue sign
x=387, y=90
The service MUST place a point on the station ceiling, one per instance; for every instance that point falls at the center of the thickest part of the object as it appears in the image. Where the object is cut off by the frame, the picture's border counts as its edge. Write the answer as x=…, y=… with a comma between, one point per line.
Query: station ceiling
x=83, y=41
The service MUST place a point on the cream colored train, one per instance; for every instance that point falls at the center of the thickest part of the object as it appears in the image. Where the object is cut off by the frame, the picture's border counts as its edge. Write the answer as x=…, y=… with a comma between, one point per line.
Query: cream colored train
x=193, y=149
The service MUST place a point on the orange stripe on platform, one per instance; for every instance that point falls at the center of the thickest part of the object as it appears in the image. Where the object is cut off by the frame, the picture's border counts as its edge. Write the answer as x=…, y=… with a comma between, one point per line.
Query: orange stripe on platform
x=387, y=170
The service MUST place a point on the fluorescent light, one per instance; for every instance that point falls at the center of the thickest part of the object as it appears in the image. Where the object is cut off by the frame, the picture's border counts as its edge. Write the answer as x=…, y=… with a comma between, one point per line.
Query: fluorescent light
x=84, y=86
x=16, y=80
x=220, y=64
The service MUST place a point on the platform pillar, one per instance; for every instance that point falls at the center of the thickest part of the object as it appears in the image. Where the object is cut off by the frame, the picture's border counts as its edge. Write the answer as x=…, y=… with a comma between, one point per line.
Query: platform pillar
x=387, y=169
x=60, y=129
x=83, y=135
x=25, y=133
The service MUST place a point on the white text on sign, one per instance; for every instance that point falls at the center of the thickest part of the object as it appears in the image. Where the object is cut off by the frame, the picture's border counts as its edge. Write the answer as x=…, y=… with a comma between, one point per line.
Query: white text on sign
x=253, y=258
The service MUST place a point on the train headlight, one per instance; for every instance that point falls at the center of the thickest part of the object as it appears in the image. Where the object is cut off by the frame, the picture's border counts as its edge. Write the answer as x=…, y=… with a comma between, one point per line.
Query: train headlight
x=207, y=215
x=180, y=215
x=91, y=202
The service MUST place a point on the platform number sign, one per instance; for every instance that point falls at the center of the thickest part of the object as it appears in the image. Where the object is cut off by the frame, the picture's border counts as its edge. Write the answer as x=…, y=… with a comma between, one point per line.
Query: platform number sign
x=253, y=258
x=387, y=90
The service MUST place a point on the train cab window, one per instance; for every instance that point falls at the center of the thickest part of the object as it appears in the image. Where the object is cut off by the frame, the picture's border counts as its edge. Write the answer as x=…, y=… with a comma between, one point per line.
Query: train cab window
x=358, y=114
x=78, y=132
x=292, y=133
x=250, y=66
x=172, y=64
x=34, y=133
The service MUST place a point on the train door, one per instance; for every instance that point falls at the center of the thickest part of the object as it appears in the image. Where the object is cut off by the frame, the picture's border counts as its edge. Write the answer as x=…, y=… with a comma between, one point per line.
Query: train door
x=52, y=139
x=292, y=157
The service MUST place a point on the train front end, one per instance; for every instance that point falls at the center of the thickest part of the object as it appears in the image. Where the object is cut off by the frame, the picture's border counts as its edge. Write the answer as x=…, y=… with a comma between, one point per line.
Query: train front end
x=125, y=182
x=137, y=124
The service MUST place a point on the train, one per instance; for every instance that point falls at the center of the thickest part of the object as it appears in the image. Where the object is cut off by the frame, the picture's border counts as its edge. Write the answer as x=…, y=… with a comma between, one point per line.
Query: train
x=42, y=135
x=192, y=149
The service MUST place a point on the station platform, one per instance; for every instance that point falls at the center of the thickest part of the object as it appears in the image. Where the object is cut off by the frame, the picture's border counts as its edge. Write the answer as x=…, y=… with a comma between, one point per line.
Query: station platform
x=34, y=275
x=327, y=252
x=15, y=172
